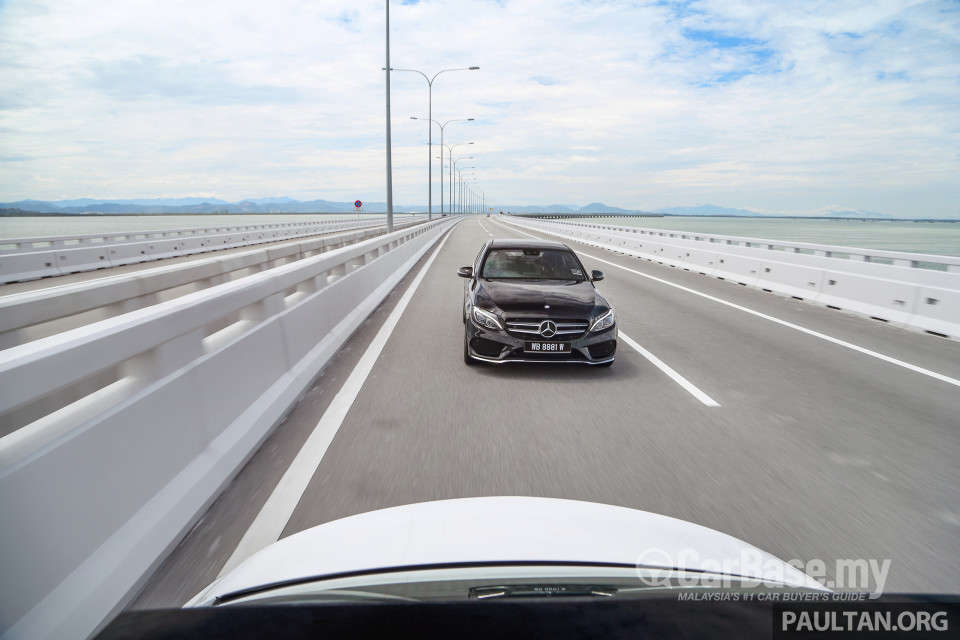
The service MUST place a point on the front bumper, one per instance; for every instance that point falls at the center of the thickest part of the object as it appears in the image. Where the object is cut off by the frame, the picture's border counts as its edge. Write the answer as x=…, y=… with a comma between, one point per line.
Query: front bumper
x=499, y=347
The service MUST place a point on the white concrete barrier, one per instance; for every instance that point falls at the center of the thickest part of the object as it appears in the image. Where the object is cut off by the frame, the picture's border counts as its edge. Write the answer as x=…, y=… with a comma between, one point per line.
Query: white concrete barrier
x=31, y=266
x=739, y=269
x=337, y=223
x=95, y=490
x=937, y=311
x=193, y=245
x=93, y=251
x=876, y=256
x=888, y=300
x=883, y=285
x=170, y=248
x=700, y=261
x=36, y=314
x=83, y=259
x=121, y=254
x=796, y=280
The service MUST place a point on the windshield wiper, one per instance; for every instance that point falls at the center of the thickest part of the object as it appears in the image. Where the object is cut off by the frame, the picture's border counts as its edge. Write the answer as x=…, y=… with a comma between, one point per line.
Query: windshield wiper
x=542, y=591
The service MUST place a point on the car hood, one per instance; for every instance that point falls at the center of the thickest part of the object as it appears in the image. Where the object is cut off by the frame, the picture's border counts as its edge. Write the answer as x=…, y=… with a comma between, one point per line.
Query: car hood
x=565, y=297
x=498, y=529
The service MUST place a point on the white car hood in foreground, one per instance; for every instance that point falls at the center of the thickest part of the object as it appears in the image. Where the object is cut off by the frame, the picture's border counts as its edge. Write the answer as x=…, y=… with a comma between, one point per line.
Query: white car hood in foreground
x=498, y=529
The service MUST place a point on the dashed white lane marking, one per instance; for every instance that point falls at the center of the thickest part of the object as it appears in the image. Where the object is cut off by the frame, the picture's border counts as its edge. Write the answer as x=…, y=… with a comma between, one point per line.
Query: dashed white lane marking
x=270, y=522
x=810, y=332
x=676, y=377
x=663, y=366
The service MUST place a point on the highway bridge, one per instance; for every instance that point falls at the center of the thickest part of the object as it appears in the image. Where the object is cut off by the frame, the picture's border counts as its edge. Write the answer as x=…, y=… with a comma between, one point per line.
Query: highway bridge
x=581, y=215
x=804, y=430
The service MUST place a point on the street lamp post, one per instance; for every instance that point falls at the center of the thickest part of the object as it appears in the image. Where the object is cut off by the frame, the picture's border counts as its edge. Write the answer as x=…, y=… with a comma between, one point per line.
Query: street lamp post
x=430, y=136
x=441, y=151
x=471, y=194
x=450, y=151
x=389, y=154
x=454, y=194
x=461, y=188
x=453, y=168
x=472, y=187
x=468, y=193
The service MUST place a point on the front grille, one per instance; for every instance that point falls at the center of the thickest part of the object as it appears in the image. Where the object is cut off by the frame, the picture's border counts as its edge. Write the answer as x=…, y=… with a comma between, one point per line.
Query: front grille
x=529, y=328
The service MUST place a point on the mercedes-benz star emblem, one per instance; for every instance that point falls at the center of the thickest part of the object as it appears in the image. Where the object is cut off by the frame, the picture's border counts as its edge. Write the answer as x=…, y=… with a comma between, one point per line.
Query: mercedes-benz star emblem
x=548, y=328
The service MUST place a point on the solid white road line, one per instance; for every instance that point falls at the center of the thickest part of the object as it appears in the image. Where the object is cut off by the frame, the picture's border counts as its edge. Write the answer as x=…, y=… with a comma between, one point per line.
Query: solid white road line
x=663, y=366
x=270, y=522
x=811, y=332
x=676, y=377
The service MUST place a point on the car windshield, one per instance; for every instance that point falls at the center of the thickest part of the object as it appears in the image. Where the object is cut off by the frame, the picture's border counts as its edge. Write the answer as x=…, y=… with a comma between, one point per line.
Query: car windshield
x=543, y=264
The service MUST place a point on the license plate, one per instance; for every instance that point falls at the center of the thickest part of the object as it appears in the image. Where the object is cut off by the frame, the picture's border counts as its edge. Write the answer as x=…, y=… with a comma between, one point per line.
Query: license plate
x=546, y=347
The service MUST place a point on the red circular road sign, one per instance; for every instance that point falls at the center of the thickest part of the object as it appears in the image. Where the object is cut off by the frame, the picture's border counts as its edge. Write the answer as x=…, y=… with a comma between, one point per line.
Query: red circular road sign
x=358, y=204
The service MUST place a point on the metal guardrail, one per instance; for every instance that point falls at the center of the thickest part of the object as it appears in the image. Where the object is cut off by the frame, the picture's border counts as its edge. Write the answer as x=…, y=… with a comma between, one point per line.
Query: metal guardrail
x=878, y=256
x=21, y=245
x=922, y=299
x=33, y=258
x=126, y=429
x=37, y=314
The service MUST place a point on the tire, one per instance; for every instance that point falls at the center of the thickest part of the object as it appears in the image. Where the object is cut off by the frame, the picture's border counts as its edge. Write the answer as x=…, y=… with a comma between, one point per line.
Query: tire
x=466, y=353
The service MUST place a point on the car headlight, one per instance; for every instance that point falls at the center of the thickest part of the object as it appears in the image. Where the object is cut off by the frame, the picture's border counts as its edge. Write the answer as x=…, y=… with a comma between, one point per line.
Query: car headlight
x=605, y=321
x=486, y=319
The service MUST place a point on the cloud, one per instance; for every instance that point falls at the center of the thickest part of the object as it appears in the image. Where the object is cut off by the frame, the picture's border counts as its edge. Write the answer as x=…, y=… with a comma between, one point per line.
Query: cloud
x=545, y=80
x=150, y=78
x=744, y=103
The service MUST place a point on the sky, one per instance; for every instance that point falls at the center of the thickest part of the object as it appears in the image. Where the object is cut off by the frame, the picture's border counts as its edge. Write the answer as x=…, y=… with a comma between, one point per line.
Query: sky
x=775, y=106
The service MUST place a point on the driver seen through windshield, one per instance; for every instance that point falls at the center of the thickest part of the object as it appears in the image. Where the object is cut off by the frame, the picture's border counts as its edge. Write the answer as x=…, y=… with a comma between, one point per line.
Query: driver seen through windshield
x=547, y=264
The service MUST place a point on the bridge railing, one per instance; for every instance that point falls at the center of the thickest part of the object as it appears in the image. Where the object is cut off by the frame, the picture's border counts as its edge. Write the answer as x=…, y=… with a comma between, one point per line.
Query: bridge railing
x=895, y=287
x=127, y=428
x=32, y=258
x=44, y=312
x=859, y=254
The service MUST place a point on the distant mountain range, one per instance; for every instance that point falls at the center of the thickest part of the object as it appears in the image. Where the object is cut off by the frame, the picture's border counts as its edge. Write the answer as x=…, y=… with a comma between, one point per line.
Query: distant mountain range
x=290, y=205
x=708, y=210
x=826, y=212
x=195, y=205
x=595, y=207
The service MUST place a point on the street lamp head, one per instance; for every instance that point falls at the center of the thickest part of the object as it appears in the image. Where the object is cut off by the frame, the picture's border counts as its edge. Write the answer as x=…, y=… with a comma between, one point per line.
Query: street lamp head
x=469, y=119
x=473, y=68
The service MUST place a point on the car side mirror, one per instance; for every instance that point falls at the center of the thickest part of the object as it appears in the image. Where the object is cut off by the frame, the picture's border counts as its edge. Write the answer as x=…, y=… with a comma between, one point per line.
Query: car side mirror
x=596, y=276
x=465, y=272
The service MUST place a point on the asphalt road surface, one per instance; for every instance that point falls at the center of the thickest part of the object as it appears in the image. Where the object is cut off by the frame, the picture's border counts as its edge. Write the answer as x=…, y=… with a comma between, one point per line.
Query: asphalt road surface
x=809, y=448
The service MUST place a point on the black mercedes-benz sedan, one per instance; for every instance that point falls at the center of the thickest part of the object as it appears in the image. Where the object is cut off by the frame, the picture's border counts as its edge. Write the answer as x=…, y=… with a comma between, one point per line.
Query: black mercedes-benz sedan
x=532, y=301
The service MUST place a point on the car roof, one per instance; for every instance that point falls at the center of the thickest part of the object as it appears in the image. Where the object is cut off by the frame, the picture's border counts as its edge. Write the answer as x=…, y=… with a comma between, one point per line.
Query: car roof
x=524, y=243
